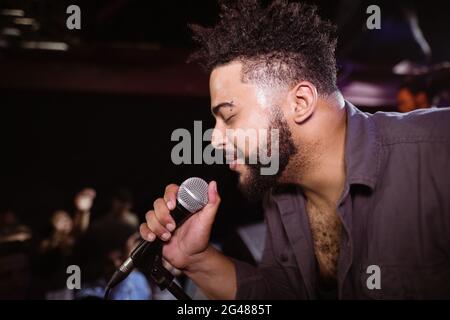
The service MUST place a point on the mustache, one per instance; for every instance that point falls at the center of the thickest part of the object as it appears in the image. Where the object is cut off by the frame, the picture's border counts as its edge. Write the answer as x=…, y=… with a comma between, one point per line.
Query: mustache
x=235, y=154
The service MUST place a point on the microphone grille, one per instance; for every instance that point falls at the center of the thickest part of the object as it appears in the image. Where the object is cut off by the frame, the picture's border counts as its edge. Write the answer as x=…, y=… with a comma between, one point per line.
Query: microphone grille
x=193, y=194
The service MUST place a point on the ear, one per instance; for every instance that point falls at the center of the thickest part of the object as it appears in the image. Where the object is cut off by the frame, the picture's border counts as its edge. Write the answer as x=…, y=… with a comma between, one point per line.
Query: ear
x=302, y=101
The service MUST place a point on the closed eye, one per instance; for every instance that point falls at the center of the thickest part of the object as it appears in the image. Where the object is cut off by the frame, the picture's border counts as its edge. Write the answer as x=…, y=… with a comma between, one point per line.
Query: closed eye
x=227, y=121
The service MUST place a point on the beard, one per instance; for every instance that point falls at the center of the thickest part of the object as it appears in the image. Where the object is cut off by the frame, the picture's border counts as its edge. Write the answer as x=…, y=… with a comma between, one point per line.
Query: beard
x=253, y=184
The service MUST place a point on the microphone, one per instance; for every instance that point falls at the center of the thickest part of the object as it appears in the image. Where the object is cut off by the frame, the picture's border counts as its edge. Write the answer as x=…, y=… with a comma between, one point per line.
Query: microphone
x=192, y=196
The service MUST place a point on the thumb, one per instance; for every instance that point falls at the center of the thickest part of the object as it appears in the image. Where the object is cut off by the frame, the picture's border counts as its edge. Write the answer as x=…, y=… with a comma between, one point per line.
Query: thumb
x=210, y=210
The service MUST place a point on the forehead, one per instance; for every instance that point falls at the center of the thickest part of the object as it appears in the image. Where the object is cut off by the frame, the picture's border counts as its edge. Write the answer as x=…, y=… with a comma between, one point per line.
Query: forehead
x=225, y=84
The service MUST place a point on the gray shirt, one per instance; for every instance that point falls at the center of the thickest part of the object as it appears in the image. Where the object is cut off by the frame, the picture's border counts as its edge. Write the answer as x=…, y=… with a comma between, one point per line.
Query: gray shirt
x=395, y=212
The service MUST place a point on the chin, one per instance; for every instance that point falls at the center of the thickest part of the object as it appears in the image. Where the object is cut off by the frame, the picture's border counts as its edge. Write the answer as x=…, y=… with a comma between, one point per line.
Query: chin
x=243, y=174
x=252, y=186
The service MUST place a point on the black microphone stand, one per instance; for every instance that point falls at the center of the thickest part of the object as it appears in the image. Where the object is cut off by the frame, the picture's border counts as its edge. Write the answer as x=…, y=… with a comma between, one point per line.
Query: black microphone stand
x=162, y=277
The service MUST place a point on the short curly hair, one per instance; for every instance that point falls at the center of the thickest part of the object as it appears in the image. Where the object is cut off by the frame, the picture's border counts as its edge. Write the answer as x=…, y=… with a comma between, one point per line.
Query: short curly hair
x=282, y=41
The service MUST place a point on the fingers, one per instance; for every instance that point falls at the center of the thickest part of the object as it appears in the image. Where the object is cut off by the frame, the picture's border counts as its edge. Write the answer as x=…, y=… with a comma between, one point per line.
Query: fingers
x=84, y=199
x=156, y=227
x=159, y=222
x=209, y=212
x=162, y=214
x=170, y=196
x=213, y=195
x=146, y=233
x=87, y=192
x=176, y=272
x=90, y=192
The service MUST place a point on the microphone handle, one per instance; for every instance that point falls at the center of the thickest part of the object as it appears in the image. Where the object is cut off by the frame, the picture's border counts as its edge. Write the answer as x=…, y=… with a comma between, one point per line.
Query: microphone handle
x=180, y=215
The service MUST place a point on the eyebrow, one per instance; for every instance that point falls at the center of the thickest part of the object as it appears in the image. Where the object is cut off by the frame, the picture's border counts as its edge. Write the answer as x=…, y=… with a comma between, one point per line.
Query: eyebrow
x=216, y=108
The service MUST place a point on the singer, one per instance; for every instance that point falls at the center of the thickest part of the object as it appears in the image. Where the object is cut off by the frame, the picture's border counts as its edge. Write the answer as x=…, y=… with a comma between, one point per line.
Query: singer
x=354, y=192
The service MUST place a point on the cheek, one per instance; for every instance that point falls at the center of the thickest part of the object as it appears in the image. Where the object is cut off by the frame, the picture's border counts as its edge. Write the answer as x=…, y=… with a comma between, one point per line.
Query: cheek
x=261, y=98
x=250, y=138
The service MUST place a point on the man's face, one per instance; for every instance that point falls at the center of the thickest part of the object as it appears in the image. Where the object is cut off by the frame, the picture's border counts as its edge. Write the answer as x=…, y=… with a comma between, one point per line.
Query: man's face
x=245, y=116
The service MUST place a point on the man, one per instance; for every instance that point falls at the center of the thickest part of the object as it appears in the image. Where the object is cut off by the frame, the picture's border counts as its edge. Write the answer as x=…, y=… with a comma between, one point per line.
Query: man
x=360, y=205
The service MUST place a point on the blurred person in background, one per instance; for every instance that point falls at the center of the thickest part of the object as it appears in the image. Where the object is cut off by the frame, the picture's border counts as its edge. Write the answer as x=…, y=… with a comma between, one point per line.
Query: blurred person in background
x=11, y=229
x=103, y=249
x=61, y=237
x=413, y=95
x=65, y=229
x=120, y=210
x=15, y=269
x=55, y=251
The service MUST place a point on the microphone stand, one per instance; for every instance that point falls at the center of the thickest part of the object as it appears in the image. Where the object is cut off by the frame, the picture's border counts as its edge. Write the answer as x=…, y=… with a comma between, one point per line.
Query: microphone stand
x=163, y=278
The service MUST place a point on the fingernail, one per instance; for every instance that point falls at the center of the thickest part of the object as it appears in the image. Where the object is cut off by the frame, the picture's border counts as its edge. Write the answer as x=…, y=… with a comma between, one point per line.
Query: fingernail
x=170, y=226
x=214, y=186
x=165, y=236
x=170, y=205
x=151, y=236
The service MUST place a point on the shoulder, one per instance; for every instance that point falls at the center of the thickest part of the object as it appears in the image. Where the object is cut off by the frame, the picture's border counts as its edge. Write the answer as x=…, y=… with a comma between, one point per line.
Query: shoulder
x=425, y=125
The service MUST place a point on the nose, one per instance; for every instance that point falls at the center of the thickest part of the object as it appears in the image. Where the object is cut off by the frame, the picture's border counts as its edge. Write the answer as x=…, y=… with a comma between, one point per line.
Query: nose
x=218, y=139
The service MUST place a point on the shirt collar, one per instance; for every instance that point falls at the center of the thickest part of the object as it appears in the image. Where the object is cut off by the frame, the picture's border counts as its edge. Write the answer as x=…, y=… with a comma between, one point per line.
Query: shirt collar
x=362, y=152
x=362, y=148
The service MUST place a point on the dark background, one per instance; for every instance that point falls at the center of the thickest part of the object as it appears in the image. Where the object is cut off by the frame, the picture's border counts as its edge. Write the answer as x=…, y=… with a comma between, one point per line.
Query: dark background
x=57, y=144
x=101, y=113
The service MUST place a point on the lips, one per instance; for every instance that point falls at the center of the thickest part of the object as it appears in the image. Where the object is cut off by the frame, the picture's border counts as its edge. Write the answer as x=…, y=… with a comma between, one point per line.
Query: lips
x=231, y=159
x=232, y=164
x=230, y=155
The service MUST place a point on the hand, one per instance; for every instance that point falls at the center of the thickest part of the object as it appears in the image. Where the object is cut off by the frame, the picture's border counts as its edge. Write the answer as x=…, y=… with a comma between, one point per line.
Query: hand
x=191, y=238
x=174, y=271
x=84, y=199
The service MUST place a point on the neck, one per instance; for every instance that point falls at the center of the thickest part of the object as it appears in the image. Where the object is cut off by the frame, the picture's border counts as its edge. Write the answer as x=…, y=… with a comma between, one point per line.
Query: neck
x=324, y=178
